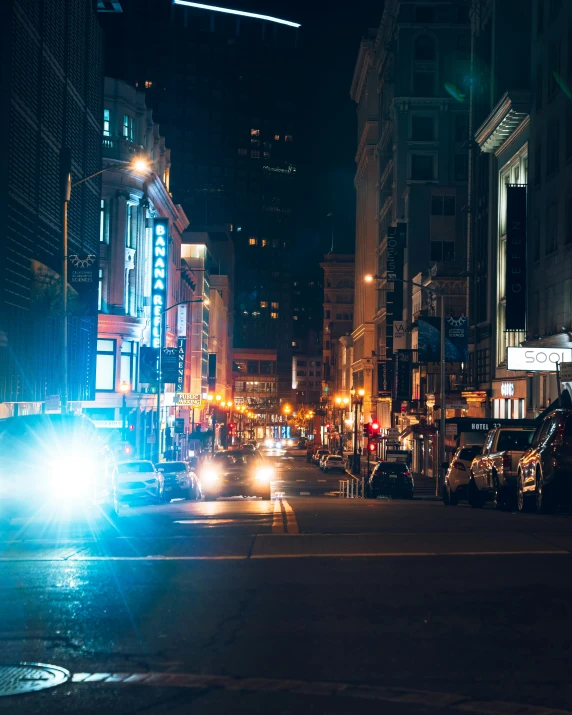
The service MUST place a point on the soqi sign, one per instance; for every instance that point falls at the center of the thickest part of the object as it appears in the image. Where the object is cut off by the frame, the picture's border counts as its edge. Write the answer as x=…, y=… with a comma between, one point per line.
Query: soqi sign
x=159, y=278
x=536, y=359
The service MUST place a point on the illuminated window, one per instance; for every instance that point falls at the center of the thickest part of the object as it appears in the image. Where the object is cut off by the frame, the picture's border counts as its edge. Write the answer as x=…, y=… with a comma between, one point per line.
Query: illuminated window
x=128, y=129
x=106, y=125
x=252, y=241
x=104, y=221
x=264, y=304
x=274, y=316
x=287, y=137
x=100, y=290
x=105, y=366
x=295, y=317
x=242, y=152
x=255, y=154
x=275, y=305
x=263, y=242
x=255, y=132
x=266, y=154
x=148, y=84
x=277, y=137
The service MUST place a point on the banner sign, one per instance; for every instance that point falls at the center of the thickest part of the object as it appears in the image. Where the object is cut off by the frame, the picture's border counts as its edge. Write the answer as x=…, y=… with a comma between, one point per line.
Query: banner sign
x=429, y=339
x=403, y=360
x=384, y=378
x=457, y=337
x=159, y=279
x=399, y=335
x=515, y=274
x=148, y=359
x=182, y=321
x=181, y=354
x=83, y=277
x=451, y=368
x=169, y=365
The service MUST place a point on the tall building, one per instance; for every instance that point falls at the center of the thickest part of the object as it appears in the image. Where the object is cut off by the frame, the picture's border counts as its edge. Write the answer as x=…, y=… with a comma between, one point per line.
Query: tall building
x=51, y=73
x=223, y=88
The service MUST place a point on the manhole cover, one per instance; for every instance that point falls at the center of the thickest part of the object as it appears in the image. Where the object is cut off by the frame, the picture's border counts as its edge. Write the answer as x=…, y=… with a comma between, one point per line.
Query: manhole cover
x=30, y=677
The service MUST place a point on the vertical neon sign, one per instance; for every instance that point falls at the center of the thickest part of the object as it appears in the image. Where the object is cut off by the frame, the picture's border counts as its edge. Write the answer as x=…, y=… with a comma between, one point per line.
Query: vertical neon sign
x=159, y=278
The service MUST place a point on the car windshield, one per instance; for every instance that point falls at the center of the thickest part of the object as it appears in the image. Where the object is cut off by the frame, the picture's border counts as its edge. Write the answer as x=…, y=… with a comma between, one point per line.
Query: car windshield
x=172, y=466
x=391, y=467
x=518, y=440
x=469, y=453
x=125, y=467
x=335, y=459
x=236, y=460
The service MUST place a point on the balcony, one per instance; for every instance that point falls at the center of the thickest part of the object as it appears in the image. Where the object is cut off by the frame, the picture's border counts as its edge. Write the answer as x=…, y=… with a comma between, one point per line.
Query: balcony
x=119, y=149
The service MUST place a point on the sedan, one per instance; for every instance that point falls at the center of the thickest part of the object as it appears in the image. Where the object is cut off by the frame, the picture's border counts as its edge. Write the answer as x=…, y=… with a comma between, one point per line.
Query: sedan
x=334, y=463
x=459, y=474
x=237, y=473
x=138, y=482
x=390, y=479
x=180, y=480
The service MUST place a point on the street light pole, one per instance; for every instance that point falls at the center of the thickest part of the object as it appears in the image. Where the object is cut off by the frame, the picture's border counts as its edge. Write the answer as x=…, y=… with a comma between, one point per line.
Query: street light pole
x=443, y=424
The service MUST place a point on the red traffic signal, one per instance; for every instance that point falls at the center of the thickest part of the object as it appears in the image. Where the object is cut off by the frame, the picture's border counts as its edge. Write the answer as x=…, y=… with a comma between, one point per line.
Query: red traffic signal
x=375, y=427
x=371, y=446
x=328, y=427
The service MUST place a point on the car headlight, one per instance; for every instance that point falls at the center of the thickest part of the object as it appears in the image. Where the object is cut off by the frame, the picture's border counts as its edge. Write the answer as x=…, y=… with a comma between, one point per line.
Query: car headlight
x=264, y=474
x=210, y=477
x=73, y=475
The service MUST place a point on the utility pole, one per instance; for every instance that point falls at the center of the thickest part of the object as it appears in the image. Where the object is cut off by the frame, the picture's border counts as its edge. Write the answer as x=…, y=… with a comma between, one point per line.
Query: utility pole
x=440, y=478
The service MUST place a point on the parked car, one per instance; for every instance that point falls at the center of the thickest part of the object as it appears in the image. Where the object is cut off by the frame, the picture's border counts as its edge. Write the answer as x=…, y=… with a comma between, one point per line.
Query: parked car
x=334, y=463
x=180, y=480
x=138, y=482
x=544, y=479
x=390, y=479
x=494, y=470
x=458, y=474
x=237, y=473
x=323, y=460
x=318, y=454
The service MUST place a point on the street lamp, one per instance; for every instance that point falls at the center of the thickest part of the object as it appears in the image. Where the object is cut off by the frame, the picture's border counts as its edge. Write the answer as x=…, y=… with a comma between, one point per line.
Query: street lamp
x=140, y=166
x=159, y=371
x=443, y=422
x=124, y=388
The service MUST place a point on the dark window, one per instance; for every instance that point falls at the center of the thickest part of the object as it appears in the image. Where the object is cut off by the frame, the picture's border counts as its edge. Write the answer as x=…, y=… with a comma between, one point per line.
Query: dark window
x=266, y=367
x=252, y=367
x=424, y=14
x=423, y=83
x=469, y=453
x=551, y=227
x=463, y=47
x=461, y=167
x=422, y=167
x=422, y=129
x=461, y=127
x=424, y=49
x=553, y=147
x=518, y=440
x=442, y=251
x=443, y=206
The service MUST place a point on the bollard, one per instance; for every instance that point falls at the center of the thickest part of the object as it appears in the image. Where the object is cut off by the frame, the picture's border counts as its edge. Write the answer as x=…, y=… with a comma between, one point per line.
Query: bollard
x=363, y=487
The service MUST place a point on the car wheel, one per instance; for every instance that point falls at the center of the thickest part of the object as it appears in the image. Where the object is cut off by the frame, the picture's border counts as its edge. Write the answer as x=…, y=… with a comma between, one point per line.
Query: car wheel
x=522, y=500
x=499, y=495
x=543, y=504
x=475, y=498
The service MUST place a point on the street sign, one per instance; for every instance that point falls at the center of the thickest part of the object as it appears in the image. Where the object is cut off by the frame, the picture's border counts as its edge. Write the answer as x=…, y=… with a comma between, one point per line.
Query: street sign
x=451, y=368
x=189, y=399
x=451, y=429
x=108, y=424
x=566, y=371
x=393, y=434
x=53, y=403
x=457, y=405
x=179, y=425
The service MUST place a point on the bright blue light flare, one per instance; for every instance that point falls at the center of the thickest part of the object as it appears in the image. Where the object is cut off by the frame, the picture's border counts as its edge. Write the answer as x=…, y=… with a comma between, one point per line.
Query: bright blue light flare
x=242, y=13
x=454, y=92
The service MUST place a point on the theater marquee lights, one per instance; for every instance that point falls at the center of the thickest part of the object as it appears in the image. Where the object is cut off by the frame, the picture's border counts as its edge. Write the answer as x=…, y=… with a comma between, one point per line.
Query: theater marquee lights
x=159, y=279
x=242, y=13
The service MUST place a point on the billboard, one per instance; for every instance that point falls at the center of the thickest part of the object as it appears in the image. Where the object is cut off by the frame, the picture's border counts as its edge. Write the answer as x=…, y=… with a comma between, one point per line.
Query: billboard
x=536, y=359
x=159, y=264
x=515, y=272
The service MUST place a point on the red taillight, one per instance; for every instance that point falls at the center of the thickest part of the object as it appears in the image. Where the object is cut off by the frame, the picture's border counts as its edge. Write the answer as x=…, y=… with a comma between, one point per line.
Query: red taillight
x=459, y=465
x=507, y=461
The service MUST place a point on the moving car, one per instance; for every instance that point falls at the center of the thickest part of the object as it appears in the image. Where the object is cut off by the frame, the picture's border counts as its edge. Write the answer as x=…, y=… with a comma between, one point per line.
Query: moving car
x=238, y=473
x=494, y=469
x=334, y=463
x=390, y=479
x=138, y=482
x=48, y=461
x=318, y=454
x=544, y=478
x=459, y=474
x=180, y=480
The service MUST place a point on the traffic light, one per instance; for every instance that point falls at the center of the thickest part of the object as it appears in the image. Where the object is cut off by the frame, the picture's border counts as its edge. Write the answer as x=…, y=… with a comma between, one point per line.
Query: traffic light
x=231, y=427
x=328, y=427
x=373, y=429
x=371, y=446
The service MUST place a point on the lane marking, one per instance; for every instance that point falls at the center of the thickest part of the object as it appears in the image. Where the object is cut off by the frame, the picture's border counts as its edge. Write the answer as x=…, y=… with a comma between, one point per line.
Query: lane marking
x=427, y=698
x=277, y=521
x=291, y=523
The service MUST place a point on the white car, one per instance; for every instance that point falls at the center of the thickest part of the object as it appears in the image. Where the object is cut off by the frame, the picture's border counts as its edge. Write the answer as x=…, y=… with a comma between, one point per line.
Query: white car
x=138, y=482
x=459, y=474
x=334, y=463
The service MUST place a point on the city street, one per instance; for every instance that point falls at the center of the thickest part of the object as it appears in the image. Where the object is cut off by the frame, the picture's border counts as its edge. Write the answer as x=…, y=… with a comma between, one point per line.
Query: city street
x=302, y=604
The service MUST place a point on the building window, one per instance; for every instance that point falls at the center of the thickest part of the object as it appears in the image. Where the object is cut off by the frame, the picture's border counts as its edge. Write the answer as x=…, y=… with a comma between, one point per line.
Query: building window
x=128, y=367
x=274, y=316
x=263, y=242
x=422, y=167
x=277, y=137
x=538, y=163
x=461, y=127
x=100, y=290
x=242, y=152
x=128, y=127
x=287, y=137
x=106, y=123
x=255, y=142
x=264, y=304
x=104, y=221
x=294, y=317
x=252, y=241
x=424, y=50
x=554, y=69
x=553, y=147
x=424, y=14
x=463, y=48
x=551, y=228
x=255, y=154
x=338, y=316
x=255, y=132
x=327, y=314
x=131, y=226
x=105, y=366
x=423, y=83
x=553, y=9
x=442, y=250
x=422, y=128
x=442, y=206
x=294, y=344
x=326, y=345
x=461, y=167
x=275, y=305
x=148, y=84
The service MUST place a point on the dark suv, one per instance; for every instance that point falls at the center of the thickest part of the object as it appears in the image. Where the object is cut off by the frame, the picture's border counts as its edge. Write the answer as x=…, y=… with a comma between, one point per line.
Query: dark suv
x=545, y=470
x=390, y=479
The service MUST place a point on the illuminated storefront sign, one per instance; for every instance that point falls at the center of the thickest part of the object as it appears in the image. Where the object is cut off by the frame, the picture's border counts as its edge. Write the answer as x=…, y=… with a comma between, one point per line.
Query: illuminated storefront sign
x=159, y=278
x=507, y=389
x=537, y=359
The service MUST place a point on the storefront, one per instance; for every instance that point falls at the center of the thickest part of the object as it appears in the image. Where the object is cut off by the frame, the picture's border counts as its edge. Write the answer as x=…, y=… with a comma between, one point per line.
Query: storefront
x=509, y=399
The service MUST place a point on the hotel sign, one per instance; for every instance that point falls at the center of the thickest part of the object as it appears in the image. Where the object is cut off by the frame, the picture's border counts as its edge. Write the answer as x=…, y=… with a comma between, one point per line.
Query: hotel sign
x=159, y=279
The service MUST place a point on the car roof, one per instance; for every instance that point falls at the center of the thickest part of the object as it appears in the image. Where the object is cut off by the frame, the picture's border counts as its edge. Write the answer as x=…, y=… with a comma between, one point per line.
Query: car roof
x=135, y=461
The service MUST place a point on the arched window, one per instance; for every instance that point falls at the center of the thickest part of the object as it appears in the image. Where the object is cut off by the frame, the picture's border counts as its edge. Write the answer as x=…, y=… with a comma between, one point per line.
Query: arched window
x=424, y=49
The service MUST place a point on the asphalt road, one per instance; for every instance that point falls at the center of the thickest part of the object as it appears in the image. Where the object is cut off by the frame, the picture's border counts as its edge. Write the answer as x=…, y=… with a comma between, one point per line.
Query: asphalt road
x=304, y=604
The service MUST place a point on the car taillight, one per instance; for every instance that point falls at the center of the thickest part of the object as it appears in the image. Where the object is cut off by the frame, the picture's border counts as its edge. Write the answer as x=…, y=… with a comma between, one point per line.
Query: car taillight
x=459, y=465
x=406, y=474
x=507, y=460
